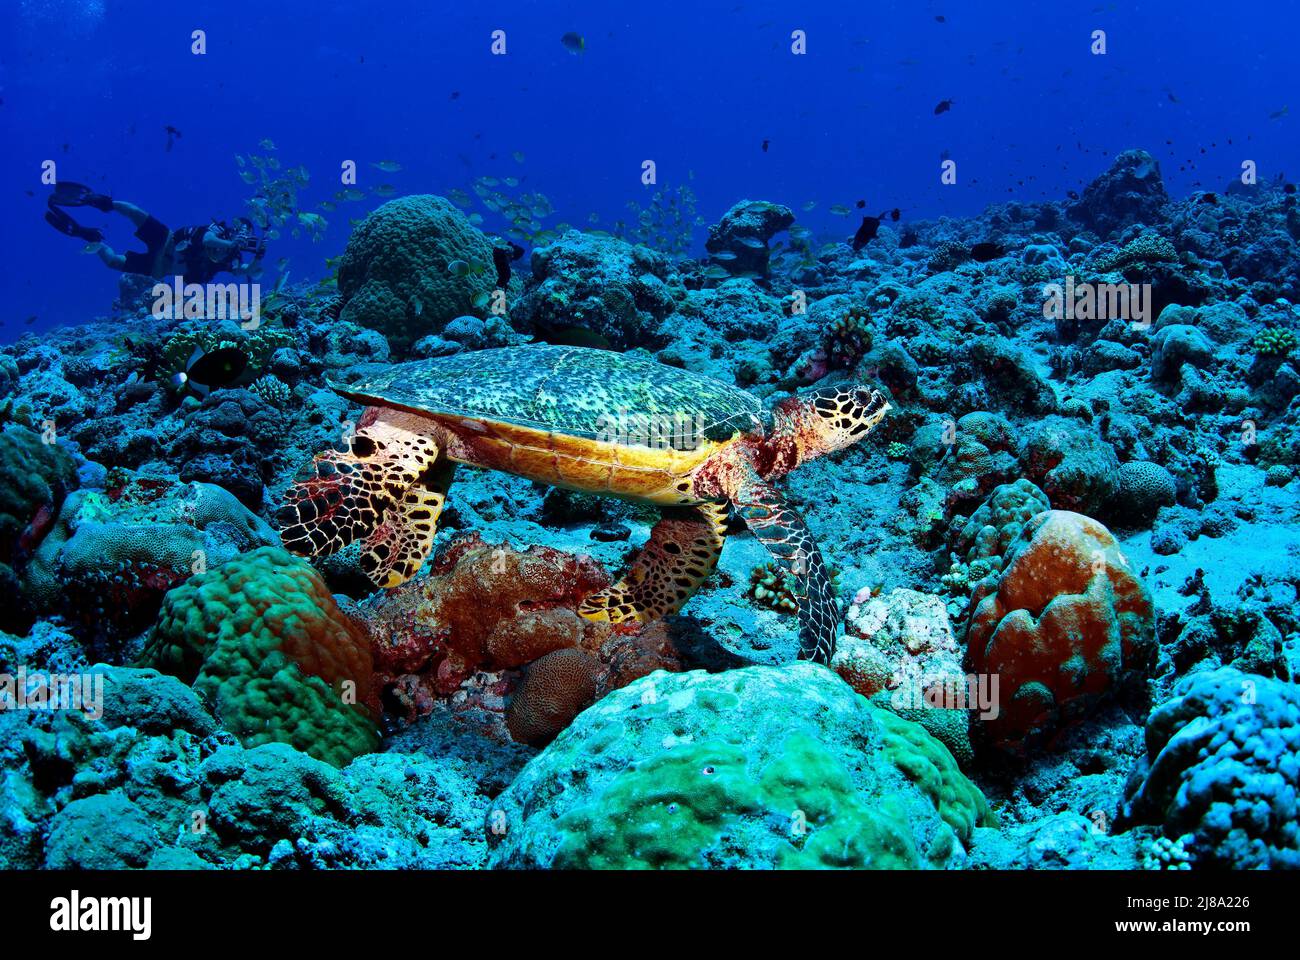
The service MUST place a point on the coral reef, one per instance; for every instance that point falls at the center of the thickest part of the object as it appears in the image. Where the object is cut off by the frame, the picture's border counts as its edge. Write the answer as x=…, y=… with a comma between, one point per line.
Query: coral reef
x=111, y=555
x=304, y=720
x=156, y=783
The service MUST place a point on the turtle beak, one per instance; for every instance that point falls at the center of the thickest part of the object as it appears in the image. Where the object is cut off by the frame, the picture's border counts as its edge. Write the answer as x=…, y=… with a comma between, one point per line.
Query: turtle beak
x=872, y=407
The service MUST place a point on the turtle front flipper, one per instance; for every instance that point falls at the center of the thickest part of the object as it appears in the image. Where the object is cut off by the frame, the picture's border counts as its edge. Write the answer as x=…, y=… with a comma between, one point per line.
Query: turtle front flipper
x=349, y=495
x=787, y=538
x=397, y=548
x=682, y=551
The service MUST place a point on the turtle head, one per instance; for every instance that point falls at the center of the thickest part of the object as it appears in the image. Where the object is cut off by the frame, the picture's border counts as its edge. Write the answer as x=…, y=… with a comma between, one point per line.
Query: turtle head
x=823, y=421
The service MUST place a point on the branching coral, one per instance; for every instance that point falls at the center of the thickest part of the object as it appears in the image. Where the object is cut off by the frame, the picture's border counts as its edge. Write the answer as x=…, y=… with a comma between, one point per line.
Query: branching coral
x=848, y=339
x=772, y=587
x=271, y=389
x=1275, y=342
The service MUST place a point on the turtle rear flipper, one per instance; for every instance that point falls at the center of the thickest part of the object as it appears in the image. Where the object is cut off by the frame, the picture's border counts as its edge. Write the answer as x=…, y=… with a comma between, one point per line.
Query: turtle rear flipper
x=787, y=538
x=347, y=495
x=682, y=551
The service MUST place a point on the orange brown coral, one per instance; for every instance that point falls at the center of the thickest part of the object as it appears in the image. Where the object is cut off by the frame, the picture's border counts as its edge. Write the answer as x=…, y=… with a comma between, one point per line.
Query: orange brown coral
x=485, y=611
x=1068, y=621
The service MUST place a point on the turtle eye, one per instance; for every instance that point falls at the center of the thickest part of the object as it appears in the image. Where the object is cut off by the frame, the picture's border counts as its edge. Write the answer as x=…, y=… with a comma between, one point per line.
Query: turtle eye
x=363, y=446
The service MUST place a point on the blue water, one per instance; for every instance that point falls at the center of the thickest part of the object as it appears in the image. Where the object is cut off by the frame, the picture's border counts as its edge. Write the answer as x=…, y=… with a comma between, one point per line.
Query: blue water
x=698, y=88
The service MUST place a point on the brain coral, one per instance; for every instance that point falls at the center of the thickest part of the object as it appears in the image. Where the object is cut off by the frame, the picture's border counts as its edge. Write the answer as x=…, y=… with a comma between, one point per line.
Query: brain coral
x=1143, y=489
x=556, y=688
x=1067, y=622
x=1223, y=771
x=112, y=554
x=759, y=767
x=411, y=266
x=262, y=640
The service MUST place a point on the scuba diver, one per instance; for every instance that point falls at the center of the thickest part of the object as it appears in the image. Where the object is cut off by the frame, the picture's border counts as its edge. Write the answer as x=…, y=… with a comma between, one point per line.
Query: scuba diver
x=196, y=253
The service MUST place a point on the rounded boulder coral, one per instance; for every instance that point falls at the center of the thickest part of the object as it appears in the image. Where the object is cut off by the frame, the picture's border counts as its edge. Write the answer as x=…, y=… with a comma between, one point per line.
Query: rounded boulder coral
x=760, y=767
x=262, y=640
x=1068, y=622
x=1071, y=463
x=34, y=479
x=412, y=266
x=1221, y=774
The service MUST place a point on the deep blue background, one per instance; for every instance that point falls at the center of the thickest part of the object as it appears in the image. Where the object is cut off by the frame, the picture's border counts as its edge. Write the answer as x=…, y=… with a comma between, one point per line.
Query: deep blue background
x=696, y=86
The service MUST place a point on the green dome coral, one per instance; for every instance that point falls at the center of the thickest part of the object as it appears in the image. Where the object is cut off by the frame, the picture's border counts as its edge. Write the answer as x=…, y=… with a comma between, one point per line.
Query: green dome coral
x=766, y=767
x=412, y=266
x=262, y=640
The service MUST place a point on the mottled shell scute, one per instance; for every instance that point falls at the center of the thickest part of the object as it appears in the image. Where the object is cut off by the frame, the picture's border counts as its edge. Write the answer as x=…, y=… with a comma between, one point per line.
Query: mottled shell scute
x=576, y=391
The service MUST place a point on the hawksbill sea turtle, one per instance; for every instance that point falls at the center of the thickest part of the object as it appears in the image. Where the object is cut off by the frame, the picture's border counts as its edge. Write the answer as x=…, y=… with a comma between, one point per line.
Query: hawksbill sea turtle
x=591, y=420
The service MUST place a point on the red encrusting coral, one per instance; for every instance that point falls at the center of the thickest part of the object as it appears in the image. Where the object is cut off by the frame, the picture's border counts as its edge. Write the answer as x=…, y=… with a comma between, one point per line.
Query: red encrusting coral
x=486, y=612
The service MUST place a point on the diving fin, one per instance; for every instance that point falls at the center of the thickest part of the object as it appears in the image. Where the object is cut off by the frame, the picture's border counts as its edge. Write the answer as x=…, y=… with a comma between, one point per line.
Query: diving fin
x=69, y=194
x=63, y=223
